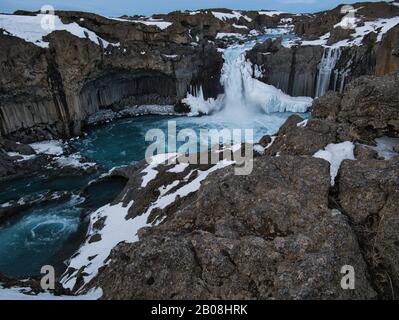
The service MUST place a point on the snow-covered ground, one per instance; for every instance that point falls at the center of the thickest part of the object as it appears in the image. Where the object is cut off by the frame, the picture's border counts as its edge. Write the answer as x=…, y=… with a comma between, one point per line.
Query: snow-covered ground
x=360, y=30
x=16, y=293
x=271, y=13
x=109, y=115
x=161, y=24
x=227, y=16
x=93, y=255
x=34, y=28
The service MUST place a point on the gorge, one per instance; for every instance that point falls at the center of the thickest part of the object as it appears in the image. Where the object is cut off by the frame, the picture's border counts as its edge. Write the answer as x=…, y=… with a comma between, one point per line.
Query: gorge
x=75, y=104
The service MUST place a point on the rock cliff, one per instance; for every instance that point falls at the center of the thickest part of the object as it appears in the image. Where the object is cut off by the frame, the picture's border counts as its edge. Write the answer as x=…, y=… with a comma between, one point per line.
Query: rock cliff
x=364, y=48
x=50, y=86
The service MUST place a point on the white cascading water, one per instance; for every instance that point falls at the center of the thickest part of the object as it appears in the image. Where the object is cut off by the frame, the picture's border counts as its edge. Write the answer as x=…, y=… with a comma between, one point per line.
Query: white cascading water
x=326, y=66
x=245, y=96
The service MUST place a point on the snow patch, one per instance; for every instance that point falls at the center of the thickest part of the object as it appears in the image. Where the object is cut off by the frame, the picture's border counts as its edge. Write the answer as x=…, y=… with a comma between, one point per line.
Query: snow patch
x=161, y=24
x=21, y=156
x=93, y=255
x=227, y=16
x=335, y=154
x=155, y=22
x=237, y=26
x=18, y=293
x=179, y=167
x=222, y=35
x=271, y=13
x=302, y=123
x=29, y=28
x=150, y=172
x=164, y=201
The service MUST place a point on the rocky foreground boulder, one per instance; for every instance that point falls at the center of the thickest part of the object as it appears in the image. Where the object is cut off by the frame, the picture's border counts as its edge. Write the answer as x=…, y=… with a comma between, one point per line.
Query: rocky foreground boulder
x=267, y=235
x=369, y=196
x=369, y=106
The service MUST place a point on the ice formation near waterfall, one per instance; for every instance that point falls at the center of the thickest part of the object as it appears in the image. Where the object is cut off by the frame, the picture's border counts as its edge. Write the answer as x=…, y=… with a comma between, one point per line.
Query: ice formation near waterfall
x=244, y=95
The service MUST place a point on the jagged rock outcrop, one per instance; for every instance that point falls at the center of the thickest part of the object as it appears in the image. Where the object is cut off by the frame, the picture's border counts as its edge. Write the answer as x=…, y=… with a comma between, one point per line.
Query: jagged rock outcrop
x=294, y=67
x=50, y=92
x=369, y=105
x=313, y=26
x=243, y=237
x=369, y=195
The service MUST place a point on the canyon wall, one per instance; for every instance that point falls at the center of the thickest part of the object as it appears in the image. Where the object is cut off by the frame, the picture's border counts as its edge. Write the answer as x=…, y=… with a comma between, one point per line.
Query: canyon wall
x=293, y=66
x=49, y=92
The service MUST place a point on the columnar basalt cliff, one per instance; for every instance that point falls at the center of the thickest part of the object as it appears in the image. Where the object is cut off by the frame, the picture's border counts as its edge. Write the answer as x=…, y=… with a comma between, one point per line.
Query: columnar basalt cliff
x=293, y=70
x=363, y=48
x=49, y=90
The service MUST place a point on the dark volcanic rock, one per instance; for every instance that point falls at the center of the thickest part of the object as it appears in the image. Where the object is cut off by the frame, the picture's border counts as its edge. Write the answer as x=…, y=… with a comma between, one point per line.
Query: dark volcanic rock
x=265, y=141
x=48, y=93
x=369, y=105
x=313, y=26
x=244, y=237
x=293, y=70
x=363, y=152
x=294, y=139
x=12, y=146
x=369, y=195
x=327, y=106
x=6, y=164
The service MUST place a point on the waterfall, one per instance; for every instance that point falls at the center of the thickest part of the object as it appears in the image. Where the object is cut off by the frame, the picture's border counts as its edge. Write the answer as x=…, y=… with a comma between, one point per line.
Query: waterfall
x=244, y=96
x=326, y=66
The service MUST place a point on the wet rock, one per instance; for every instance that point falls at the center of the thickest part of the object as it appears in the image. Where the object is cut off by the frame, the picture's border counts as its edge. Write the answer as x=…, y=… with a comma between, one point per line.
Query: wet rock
x=182, y=108
x=6, y=164
x=12, y=146
x=95, y=238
